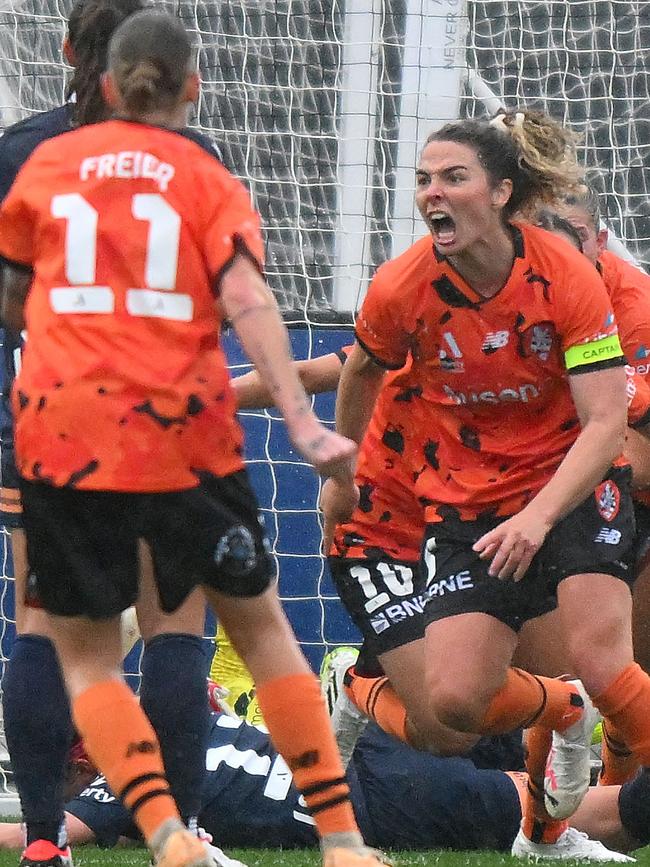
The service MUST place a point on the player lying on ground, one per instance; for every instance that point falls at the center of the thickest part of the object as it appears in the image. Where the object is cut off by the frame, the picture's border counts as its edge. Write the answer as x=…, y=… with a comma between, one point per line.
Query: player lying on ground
x=403, y=799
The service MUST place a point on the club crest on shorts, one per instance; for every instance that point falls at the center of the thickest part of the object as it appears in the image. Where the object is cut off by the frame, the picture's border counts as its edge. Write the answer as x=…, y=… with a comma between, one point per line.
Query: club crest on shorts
x=235, y=551
x=608, y=499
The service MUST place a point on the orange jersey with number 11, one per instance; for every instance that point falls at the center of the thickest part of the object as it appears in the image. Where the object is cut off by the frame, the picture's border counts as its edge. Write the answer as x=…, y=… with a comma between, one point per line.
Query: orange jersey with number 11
x=124, y=385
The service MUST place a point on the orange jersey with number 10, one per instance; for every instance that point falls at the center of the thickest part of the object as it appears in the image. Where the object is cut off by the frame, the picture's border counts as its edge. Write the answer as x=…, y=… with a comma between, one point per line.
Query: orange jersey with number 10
x=124, y=385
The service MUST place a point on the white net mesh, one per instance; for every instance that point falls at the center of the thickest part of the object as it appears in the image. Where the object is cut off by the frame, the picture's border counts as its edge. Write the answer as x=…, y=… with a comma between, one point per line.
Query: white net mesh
x=586, y=63
x=319, y=105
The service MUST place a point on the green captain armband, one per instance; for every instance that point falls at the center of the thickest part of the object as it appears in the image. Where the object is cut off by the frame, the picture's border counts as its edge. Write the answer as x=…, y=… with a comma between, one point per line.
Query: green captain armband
x=595, y=352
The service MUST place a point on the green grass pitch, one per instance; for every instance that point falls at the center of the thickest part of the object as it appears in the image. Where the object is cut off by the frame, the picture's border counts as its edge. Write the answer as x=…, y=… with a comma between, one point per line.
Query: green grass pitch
x=91, y=856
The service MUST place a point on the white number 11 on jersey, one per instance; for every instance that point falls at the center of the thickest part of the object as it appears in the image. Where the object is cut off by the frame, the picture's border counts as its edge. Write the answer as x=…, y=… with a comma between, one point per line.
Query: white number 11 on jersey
x=83, y=295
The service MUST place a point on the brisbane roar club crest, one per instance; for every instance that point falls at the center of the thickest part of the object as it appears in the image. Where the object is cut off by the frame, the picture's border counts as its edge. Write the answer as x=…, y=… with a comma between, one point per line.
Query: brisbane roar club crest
x=608, y=500
x=538, y=340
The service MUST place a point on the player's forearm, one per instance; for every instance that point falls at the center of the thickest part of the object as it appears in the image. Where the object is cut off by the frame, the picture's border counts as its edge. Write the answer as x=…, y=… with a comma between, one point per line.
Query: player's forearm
x=316, y=375
x=359, y=386
x=254, y=315
x=250, y=391
x=587, y=461
x=264, y=338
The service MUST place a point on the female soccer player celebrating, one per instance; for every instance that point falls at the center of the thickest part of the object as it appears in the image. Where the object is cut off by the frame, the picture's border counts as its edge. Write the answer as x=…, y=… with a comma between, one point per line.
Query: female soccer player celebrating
x=125, y=422
x=520, y=416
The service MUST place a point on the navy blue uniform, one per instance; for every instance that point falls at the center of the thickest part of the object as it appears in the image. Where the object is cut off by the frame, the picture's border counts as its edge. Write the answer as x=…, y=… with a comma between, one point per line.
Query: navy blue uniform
x=402, y=798
x=16, y=145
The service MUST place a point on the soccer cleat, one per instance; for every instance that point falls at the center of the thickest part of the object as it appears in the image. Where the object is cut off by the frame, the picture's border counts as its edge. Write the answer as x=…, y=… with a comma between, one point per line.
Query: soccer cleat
x=348, y=721
x=182, y=848
x=568, y=767
x=361, y=857
x=572, y=845
x=43, y=853
x=219, y=858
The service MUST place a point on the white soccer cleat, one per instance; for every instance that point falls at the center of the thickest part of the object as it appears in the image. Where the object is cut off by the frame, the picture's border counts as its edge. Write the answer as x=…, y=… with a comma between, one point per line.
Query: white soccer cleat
x=219, y=858
x=348, y=721
x=568, y=767
x=572, y=845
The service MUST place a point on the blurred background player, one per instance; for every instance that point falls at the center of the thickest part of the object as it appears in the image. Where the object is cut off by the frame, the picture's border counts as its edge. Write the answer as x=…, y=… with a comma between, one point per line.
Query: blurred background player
x=36, y=712
x=161, y=447
x=629, y=290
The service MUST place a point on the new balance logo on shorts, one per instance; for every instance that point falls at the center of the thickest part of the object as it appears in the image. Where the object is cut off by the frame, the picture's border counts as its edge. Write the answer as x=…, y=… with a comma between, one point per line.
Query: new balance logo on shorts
x=410, y=607
x=608, y=535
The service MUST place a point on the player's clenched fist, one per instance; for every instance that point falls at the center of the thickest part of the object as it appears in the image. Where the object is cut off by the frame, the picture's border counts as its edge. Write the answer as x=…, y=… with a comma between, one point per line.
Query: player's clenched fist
x=338, y=500
x=328, y=452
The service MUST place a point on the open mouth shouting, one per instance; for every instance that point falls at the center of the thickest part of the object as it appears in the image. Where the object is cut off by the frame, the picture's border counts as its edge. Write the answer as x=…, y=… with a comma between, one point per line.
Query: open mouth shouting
x=443, y=228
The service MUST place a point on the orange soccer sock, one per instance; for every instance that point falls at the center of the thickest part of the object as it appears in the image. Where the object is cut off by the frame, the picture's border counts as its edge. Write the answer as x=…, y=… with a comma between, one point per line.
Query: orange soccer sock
x=536, y=824
x=294, y=711
x=375, y=697
x=620, y=764
x=121, y=742
x=625, y=706
x=527, y=700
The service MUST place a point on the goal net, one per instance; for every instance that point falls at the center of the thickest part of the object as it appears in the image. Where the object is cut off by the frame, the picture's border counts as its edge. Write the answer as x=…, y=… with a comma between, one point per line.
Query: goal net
x=320, y=106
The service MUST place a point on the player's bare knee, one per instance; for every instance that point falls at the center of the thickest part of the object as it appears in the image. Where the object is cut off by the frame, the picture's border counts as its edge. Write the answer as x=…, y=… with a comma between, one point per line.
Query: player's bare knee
x=615, y=652
x=431, y=736
x=458, y=711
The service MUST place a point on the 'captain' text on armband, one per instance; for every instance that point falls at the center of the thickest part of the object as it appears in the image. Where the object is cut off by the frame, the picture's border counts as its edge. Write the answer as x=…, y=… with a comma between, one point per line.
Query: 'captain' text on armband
x=128, y=165
x=603, y=349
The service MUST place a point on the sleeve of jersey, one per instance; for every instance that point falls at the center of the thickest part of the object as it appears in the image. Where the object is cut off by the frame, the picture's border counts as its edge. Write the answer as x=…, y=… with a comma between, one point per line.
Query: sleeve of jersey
x=100, y=810
x=17, y=226
x=588, y=329
x=638, y=398
x=343, y=353
x=378, y=328
x=234, y=228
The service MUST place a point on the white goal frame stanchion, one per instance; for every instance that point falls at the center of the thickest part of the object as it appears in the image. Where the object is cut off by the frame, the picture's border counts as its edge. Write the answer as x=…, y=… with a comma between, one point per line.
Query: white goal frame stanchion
x=9, y=104
x=358, y=119
x=433, y=70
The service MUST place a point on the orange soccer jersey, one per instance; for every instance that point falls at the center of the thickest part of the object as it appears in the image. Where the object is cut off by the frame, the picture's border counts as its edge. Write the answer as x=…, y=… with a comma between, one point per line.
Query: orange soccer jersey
x=124, y=385
x=629, y=291
x=389, y=520
x=495, y=413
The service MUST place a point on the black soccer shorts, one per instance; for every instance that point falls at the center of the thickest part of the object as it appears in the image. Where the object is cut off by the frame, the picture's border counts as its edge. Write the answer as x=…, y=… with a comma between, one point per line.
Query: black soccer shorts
x=384, y=598
x=598, y=536
x=82, y=546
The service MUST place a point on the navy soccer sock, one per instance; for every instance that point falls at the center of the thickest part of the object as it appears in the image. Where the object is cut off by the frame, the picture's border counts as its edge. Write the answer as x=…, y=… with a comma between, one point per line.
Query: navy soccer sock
x=174, y=696
x=39, y=733
x=634, y=807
